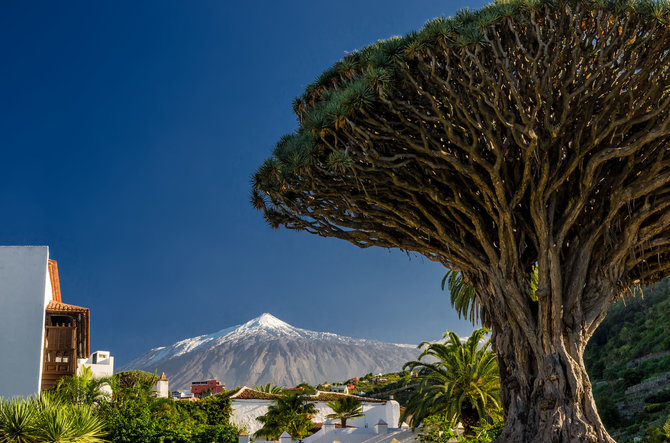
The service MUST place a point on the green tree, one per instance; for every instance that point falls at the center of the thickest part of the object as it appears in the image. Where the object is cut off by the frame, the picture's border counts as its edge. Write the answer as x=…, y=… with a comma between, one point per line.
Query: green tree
x=83, y=388
x=530, y=132
x=133, y=386
x=462, y=384
x=345, y=408
x=290, y=413
x=307, y=389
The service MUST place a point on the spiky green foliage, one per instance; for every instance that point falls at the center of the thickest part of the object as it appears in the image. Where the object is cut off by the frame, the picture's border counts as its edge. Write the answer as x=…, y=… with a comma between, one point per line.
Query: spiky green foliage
x=464, y=299
x=290, y=413
x=17, y=421
x=83, y=388
x=269, y=388
x=345, y=408
x=462, y=383
x=48, y=419
x=462, y=296
x=62, y=423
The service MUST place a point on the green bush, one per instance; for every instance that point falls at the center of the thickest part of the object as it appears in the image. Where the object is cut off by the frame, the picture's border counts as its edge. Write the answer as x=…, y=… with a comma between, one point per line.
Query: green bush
x=632, y=376
x=137, y=417
x=655, y=407
x=609, y=413
x=658, y=397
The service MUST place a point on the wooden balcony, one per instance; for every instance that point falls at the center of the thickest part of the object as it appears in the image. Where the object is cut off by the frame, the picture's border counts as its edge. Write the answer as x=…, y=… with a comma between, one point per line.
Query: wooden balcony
x=60, y=354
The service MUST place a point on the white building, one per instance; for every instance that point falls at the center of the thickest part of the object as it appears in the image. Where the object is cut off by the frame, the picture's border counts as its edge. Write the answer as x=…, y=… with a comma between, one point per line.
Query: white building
x=101, y=364
x=162, y=387
x=379, y=433
x=248, y=404
x=342, y=389
x=40, y=336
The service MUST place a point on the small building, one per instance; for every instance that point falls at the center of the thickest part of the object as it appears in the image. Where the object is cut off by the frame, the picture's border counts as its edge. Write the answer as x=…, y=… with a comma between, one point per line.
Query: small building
x=162, y=387
x=184, y=396
x=41, y=338
x=340, y=389
x=179, y=395
x=207, y=386
x=101, y=364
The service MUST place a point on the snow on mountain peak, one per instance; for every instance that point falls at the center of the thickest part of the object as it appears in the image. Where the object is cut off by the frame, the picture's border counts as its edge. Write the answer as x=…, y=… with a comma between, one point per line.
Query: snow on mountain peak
x=269, y=321
x=264, y=327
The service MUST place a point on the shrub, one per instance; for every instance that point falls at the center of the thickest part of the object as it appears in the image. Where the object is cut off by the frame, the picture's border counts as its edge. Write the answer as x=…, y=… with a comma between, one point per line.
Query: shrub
x=655, y=407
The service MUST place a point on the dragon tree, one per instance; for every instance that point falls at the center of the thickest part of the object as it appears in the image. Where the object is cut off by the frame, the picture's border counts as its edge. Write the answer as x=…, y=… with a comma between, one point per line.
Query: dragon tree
x=530, y=133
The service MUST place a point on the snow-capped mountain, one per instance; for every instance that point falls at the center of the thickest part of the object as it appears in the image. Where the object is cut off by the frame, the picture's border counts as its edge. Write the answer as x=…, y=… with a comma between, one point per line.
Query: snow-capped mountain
x=267, y=349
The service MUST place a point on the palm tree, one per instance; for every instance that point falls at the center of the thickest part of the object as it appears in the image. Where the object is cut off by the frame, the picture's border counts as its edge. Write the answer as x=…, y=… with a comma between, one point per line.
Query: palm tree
x=463, y=384
x=290, y=413
x=345, y=408
x=83, y=388
x=463, y=296
x=269, y=388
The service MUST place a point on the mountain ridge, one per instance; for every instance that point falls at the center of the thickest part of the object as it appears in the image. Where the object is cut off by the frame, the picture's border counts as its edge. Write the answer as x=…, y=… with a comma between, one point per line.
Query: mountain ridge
x=267, y=349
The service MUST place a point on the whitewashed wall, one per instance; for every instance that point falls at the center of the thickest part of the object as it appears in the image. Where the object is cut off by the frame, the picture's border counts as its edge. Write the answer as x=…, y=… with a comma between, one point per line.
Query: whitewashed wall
x=245, y=413
x=25, y=290
x=389, y=412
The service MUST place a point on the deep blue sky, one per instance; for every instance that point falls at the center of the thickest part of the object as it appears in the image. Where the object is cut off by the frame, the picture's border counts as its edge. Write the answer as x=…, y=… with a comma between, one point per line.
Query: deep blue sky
x=128, y=133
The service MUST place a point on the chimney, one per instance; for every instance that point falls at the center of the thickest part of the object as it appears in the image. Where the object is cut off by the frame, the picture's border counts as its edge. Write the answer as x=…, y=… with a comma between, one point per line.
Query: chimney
x=285, y=438
x=382, y=428
x=328, y=426
x=244, y=438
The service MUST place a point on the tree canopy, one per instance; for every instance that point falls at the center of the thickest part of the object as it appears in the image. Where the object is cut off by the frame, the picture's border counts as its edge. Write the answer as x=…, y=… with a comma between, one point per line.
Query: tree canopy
x=345, y=408
x=290, y=413
x=530, y=133
x=457, y=380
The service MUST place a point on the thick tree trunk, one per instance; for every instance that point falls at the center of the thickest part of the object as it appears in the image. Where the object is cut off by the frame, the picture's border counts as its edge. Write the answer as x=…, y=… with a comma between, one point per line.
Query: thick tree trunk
x=546, y=395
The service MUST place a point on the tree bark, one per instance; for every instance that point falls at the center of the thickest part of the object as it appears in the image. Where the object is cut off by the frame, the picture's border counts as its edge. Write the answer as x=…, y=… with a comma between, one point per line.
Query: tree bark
x=546, y=396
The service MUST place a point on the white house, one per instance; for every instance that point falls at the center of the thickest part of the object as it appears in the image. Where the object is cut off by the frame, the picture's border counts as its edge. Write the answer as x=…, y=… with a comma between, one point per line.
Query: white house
x=248, y=404
x=379, y=433
x=101, y=364
x=40, y=336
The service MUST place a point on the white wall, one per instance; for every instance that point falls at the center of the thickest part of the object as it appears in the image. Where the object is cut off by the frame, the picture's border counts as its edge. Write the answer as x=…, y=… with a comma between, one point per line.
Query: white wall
x=245, y=413
x=104, y=366
x=389, y=412
x=25, y=290
x=162, y=389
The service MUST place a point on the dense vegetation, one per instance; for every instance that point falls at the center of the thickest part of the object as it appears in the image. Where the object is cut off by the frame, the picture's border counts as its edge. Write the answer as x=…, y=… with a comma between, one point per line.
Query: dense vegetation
x=628, y=360
x=80, y=410
x=135, y=415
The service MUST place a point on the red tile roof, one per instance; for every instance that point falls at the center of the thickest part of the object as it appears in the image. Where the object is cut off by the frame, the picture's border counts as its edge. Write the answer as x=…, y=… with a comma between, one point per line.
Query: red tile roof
x=55, y=306
x=331, y=396
x=246, y=393
x=53, y=276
